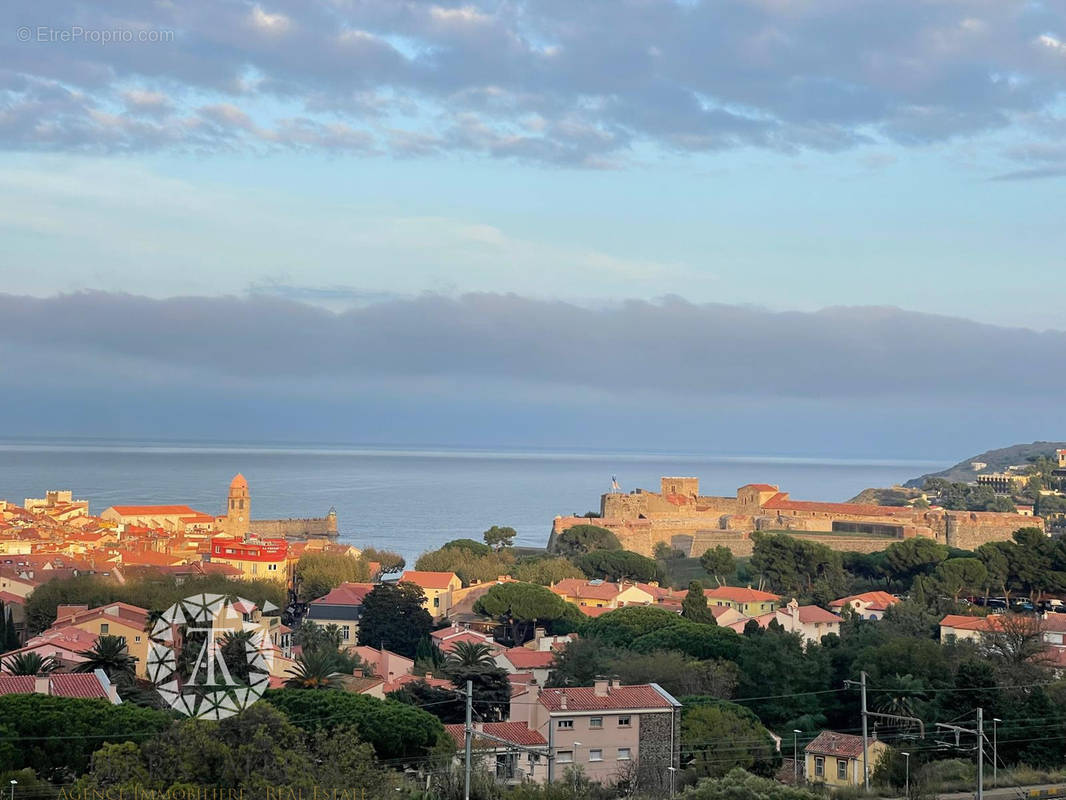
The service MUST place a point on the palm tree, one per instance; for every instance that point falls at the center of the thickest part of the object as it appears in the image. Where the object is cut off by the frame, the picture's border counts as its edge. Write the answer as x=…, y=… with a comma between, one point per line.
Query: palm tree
x=110, y=654
x=234, y=648
x=314, y=669
x=469, y=655
x=30, y=664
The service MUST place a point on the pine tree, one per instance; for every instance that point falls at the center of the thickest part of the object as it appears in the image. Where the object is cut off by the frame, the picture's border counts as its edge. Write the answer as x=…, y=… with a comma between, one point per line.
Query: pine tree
x=694, y=607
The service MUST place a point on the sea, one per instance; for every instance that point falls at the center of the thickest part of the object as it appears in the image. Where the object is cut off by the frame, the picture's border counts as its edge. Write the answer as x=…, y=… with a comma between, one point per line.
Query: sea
x=408, y=499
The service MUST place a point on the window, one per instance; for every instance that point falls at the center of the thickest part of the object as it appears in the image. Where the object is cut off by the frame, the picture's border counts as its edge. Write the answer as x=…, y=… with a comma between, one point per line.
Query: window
x=136, y=638
x=595, y=755
x=436, y=602
x=623, y=722
x=842, y=769
x=595, y=722
x=623, y=754
x=272, y=567
x=103, y=629
x=819, y=766
x=346, y=633
x=565, y=724
x=565, y=757
x=255, y=568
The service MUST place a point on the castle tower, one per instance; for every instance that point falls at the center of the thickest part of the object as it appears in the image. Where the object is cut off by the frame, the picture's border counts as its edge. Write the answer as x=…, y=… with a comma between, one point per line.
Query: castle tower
x=238, y=507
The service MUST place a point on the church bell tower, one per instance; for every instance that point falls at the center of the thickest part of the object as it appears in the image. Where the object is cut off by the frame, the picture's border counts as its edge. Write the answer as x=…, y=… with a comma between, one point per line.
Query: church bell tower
x=238, y=507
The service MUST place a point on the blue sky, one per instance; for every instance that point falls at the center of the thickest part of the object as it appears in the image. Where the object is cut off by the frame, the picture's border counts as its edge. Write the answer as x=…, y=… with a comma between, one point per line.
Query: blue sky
x=770, y=155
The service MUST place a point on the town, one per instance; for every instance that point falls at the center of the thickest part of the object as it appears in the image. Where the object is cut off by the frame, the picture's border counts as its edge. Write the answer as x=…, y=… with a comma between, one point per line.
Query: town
x=671, y=642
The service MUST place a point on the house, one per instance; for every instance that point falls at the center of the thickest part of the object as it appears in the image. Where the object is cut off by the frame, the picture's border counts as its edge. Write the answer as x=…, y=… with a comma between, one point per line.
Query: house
x=606, y=729
x=447, y=638
x=114, y=619
x=811, y=622
x=64, y=645
x=522, y=659
x=602, y=594
x=86, y=686
x=256, y=558
x=749, y=602
x=508, y=763
x=384, y=664
x=868, y=605
x=836, y=759
x=341, y=607
x=1051, y=627
x=438, y=587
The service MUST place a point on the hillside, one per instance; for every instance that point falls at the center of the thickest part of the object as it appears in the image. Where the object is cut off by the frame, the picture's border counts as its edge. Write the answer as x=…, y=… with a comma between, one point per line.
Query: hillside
x=997, y=460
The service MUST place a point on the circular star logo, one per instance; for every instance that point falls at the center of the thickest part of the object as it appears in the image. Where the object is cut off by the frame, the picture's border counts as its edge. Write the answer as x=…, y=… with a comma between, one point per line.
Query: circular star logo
x=210, y=656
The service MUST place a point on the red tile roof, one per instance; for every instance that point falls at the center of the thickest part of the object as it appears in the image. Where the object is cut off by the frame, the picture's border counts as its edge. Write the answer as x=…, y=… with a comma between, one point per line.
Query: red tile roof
x=843, y=745
x=347, y=594
x=428, y=580
x=812, y=614
x=584, y=698
x=878, y=601
x=85, y=686
x=517, y=732
x=157, y=511
x=592, y=590
x=781, y=502
x=739, y=594
x=524, y=658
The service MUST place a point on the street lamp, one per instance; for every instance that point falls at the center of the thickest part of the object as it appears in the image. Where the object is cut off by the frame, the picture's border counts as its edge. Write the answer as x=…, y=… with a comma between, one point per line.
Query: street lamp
x=795, y=757
x=13, y=783
x=908, y=757
x=995, y=751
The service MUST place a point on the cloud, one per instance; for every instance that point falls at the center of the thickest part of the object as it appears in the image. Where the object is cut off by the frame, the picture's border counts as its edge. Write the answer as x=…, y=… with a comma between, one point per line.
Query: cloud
x=670, y=347
x=417, y=78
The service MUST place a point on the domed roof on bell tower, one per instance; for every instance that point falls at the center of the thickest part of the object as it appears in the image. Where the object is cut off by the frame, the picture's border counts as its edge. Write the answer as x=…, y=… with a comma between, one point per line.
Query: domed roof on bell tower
x=238, y=482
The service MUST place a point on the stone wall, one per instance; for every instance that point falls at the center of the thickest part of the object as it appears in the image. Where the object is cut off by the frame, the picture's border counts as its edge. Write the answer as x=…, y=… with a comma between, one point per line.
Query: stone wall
x=294, y=528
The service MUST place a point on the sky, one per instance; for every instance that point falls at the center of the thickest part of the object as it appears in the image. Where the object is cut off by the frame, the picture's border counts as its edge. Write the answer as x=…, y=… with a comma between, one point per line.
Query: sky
x=773, y=226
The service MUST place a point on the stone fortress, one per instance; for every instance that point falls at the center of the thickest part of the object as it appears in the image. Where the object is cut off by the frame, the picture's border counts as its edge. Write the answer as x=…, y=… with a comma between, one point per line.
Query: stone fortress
x=237, y=521
x=680, y=516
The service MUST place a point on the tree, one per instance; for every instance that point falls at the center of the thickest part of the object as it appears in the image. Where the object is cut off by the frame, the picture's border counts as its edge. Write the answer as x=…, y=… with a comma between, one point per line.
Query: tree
x=521, y=606
x=621, y=627
x=110, y=654
x=471, y=545
x=388, y=562
x=544, y=571
x=394, y=617
x=705, y=727
x=469, y=655
x=498, y=537
x=741, y=785
x=918, y=556
x=694, y=607
x=583, y=539
x=395, y=730
x=664, y=551
x=797, y=566
x=30, y=664
x=491, y=687
x=36, y=720
x=693, y=639
x=319, y=573
x=718, y=562
x=619, y=565
x=957, y=576
x=313, y=669
x=469, y=565
x=996, y=557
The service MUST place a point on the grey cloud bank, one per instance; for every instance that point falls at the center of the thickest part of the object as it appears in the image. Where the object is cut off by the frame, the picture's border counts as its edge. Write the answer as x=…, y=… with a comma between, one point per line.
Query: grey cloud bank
x=502, y=369
x=561, y=82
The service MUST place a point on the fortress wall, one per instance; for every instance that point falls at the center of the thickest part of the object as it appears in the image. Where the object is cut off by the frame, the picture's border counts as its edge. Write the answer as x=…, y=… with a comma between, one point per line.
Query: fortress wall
x=293, y=528
x=969, y=530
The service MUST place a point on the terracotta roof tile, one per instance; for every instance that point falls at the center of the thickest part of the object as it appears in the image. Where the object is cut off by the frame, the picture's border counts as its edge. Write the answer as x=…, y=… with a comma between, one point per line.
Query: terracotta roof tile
x=584, y=698
x=517, y=732
x=428, y=580
x=524, y=658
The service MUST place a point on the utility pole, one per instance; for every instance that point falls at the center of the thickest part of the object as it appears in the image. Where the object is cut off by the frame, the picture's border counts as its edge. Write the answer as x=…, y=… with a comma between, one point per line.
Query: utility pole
x=995, y=752
x=980, y=734
x=551, y=749
x=865, y=740
x=980, y=753
x=469, y=738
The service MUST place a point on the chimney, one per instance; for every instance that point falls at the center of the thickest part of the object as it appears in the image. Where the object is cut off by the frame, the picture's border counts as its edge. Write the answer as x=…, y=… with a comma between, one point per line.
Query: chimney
x=40, y=684
x=602, y=687
x=562, y=700
x=538, y=634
